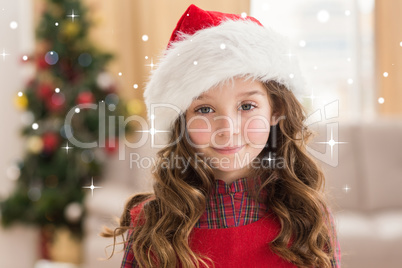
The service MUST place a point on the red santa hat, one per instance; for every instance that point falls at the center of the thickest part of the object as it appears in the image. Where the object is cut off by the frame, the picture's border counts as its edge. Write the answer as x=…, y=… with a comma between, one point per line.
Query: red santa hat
x=208, y=48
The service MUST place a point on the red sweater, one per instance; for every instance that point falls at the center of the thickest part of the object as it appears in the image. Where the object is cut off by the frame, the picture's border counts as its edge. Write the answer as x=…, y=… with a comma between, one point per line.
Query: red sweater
x=241, y=246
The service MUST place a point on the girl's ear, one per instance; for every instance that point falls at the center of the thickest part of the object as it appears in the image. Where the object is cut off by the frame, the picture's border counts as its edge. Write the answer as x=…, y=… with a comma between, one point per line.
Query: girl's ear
x=275, y=118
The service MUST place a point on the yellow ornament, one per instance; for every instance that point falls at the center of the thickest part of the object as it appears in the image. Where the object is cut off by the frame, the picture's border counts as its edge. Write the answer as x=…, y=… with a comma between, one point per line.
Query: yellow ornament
x=34, y=144
x=135, y=106
x=21, y=102
x=70, y=29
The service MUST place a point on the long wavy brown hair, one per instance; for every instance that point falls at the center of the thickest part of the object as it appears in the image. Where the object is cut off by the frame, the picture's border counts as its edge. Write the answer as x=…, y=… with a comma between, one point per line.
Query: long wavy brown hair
x=295, y=196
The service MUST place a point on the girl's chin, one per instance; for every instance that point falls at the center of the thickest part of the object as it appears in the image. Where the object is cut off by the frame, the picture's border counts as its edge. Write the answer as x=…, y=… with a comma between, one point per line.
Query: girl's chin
x=232, y=170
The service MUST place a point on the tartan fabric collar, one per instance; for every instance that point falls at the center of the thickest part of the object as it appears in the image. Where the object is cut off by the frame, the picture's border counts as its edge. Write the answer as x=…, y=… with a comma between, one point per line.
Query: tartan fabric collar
x=240, y=185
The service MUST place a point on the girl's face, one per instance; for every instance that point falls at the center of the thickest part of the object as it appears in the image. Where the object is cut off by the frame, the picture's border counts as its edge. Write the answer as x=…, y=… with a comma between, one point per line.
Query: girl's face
x=229, y=126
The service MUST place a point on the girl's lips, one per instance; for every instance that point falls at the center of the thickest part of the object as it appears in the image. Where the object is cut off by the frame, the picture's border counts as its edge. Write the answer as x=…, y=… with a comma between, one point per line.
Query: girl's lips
x=228, y=150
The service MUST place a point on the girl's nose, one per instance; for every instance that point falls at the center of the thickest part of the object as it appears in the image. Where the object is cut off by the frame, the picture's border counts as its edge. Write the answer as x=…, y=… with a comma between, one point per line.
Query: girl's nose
x=227, y=125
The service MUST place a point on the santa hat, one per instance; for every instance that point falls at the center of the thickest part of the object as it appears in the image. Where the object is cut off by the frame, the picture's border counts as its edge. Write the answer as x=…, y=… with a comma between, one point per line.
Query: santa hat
x=208, y=48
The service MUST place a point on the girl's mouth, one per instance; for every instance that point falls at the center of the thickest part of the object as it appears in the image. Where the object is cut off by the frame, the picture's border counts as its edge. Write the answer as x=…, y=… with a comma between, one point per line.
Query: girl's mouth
x=228, y=150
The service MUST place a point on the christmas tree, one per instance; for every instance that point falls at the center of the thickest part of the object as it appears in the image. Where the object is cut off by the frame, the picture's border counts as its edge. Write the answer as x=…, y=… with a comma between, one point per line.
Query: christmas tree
x=70, y=98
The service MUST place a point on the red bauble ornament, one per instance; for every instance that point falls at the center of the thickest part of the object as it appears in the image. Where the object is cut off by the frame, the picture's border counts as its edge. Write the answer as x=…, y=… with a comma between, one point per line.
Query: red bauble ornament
x=56, y=102
x=41, y=63
x=85, y=97
x=50, y=142
x=45, y=91
x=111, y=145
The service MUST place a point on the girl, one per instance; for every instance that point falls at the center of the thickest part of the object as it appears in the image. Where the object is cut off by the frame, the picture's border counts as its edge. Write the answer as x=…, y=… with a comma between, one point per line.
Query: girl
x=244, y=192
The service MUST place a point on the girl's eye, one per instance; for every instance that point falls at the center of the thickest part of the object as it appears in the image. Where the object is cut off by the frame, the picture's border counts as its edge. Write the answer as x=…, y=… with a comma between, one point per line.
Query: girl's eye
x=247, y=106
x=204, y=110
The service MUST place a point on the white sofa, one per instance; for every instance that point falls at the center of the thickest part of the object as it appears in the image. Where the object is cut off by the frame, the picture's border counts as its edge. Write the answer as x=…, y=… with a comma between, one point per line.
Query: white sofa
x=369, y=210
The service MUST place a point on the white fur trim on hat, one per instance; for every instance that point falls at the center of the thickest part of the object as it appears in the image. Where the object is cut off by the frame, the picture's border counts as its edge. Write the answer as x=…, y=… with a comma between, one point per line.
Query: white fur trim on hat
x=205, y=59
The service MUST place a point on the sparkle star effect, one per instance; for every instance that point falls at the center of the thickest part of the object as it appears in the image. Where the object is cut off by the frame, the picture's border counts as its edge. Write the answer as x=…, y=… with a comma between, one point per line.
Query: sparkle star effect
x=290, y=55
x=152, y=130
x=72, y=15
x=269, y=159
x=312, y=97
x=346, y=188
x=4, y=54
x=151, y=65
x=67, y=148
x=92, y=187
x=332, y=142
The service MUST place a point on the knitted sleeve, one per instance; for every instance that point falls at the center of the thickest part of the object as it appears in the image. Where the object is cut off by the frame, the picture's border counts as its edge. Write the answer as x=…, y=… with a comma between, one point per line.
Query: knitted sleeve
x=128, y=258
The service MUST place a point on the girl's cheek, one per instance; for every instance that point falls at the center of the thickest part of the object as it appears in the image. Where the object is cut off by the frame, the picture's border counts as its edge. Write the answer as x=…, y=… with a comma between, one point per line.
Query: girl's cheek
x=256, y=132
x=200, y=138
x=199, y=131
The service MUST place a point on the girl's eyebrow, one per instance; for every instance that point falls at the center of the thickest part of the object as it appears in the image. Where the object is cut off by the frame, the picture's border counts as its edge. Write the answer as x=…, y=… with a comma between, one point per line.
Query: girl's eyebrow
x=200, y=97
x=249, y=93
